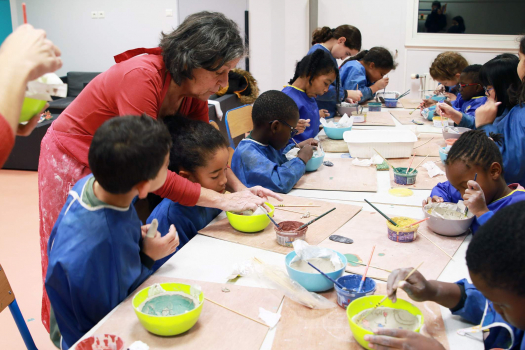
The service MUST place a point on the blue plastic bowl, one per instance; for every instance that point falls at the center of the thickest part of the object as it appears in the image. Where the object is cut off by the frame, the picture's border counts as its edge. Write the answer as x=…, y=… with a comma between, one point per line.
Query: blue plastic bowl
x=314, y=163
x=336, y=133
x=442, y=155
x=314, y=282
x=351, y=282
x=390, y=102
x=438, y=98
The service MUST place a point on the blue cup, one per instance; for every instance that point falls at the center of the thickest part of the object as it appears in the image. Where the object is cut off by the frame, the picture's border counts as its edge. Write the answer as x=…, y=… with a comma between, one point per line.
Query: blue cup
x=391, y=102
x=351, y=282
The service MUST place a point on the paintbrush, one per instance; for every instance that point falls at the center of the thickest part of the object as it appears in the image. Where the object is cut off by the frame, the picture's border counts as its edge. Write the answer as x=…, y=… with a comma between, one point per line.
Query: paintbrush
x=296, y=205
x=417, y=222
x=386, y=296
x=466, y=209
x=152, y=230
x=295, y=142
x=380, y=212
x=236, y=312
x=366, y=270
x=419, y=164
x=409, y=165
x=314, y=220
x=294, y=211
x=269, y=217
x=24, y=12
x=328, y=277
x=415, y=109
x=403, y=94
x=384, y=159
x=357, y=104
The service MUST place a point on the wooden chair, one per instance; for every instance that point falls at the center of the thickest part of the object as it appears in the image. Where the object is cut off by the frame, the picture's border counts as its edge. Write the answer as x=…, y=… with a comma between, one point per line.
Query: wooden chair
x=7, y=298
x=230, y=150
x=238, y=122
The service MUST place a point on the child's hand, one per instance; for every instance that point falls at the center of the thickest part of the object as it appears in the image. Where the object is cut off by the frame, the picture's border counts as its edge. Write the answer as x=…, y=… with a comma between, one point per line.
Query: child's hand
x=449, y=112
x=487, y=113
x=309, y=141
x=159, y=247
x=417, y=287
x=475, y=199
x=401, y=339
x=323, y=113
x=354, y=96
x=450, y=96
x=305, y=153
x=382, y=83
x=302, y=124
x=434, y=199
x=427, y=103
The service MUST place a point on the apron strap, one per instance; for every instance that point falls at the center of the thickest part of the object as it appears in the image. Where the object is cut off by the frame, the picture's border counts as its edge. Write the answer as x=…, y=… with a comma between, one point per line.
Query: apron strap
x=135, y=52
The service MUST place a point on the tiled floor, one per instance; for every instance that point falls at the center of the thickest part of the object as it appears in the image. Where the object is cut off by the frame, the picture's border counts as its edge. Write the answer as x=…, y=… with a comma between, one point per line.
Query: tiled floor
x=20, y=256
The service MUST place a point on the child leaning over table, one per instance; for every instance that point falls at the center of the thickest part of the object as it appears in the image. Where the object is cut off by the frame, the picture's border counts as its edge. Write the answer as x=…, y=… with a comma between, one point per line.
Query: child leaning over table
x=494, y=301
x=98, y=252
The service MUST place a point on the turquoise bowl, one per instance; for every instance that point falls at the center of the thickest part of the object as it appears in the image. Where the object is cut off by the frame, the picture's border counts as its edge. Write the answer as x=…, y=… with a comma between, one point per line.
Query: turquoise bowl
x=442, y=155
x=314, y=282
x=335, y=133
x=314, y=163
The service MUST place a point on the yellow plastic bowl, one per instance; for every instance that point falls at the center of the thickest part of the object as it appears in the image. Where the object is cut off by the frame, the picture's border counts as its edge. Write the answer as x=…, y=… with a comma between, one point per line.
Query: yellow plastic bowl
x=250, y=224
x=368, y=302
x=167, y=325
x=30, y=108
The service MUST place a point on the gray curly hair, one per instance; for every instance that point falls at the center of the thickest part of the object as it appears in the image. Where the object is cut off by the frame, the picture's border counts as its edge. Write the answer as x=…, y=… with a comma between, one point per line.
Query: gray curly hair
x=204, y=40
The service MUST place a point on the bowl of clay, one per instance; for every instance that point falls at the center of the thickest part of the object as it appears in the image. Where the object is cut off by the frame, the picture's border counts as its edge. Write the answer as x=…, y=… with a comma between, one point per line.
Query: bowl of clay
x=402, y=233
x=442, y=154
x=447, y=226
x=410, y=317
x=351, y=282
x=401, y=177
x=250, y=223
x=347, y=108
x=336, y=133
x=313, y=281
x=315, y=162
x=188, y=312
x=453, y=132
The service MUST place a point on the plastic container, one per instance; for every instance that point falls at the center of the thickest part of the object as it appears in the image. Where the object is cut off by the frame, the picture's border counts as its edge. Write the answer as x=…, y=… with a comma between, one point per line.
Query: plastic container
x=448, y=227
x=250, y=223
x=87, y=344
x=30, y=108
x=168, y=325
x=442, y=154
x=390, y=143
x=374, y=106
x=351, y=282
x=369, y=302
x=387, y=94
x=390, y=102
x=348, y=109
x=336, y=133
x=402, y=178
x=289, y=233
x=314, y=282
x=314, y=163
x=402, y=234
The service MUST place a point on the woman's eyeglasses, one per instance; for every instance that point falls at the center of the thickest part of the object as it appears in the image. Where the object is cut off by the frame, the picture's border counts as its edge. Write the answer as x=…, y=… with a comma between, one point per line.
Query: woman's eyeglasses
x=293, y=131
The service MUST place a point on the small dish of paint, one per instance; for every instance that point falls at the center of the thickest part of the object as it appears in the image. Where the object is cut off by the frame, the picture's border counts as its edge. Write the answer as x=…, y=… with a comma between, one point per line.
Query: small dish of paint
x=288, y=232
x=402, y=233
x=351, y=282
x=402, y=177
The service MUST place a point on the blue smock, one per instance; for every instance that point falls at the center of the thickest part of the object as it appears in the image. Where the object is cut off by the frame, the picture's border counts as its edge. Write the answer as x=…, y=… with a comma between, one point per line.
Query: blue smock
x=449, y=194
x=329, y=100
x=94, y=263
x=256, y=164
x=468, y=110
x=307, y=110
x=187, y=220
x=353, y=75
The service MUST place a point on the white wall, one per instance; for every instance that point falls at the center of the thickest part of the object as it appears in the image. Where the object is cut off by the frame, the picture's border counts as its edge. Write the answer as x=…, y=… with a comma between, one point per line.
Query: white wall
x=278, y=39
x=90, y=44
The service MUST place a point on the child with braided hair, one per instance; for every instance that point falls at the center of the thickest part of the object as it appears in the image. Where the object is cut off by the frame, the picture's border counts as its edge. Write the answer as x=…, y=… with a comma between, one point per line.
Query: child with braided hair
x=475, y=153
x=313, y=77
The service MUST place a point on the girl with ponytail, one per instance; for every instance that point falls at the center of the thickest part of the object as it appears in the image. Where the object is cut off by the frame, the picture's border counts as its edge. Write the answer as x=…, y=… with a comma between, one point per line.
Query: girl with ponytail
x=340, y=43
x=366, y=71
x=313, y=77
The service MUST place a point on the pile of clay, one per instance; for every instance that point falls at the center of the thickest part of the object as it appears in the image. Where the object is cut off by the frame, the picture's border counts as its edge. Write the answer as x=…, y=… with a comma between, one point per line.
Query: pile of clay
x=323, y=264
x=344, y=122
x=295, y=151
x=324, y=259
x=163, y=303
x=448, y=211
x=386, y=317
x=259, y=211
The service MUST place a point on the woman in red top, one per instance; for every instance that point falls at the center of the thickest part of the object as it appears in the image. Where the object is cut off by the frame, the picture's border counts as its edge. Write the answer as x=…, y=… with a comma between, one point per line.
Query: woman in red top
x=191, y=64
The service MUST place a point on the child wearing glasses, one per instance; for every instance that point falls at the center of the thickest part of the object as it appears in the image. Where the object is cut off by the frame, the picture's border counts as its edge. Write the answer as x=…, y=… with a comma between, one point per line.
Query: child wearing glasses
x=260, y=158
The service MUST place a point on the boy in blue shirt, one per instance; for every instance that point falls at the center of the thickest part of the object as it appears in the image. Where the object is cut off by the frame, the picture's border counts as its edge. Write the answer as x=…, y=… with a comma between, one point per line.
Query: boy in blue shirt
x=494, y=302
x=259, y=160
x=98, y=252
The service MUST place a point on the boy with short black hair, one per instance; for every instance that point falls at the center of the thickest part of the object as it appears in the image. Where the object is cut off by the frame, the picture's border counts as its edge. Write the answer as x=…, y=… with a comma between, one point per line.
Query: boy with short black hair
x=495, y=300
x=471, y=95
x=259, y=160
x=98, y=252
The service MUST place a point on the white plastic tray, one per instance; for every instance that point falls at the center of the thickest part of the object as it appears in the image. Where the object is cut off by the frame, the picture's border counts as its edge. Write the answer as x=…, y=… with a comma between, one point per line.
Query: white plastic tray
x=390, y=143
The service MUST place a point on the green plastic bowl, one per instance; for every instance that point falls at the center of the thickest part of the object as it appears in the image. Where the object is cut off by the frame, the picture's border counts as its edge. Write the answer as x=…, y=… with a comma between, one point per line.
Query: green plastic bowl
x=30, y=108
x=368, y=302
x=250, y=223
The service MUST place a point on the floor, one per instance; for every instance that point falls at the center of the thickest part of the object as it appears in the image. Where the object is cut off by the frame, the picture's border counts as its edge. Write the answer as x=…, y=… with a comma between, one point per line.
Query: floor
x=20, y=256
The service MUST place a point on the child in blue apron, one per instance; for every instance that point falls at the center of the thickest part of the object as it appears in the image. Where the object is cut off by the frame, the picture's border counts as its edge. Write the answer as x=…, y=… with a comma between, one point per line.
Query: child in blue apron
x=366, y=72
x=493, y=302
x=313, y=76
x=199, y=154
x=98, y=252
x=259, y=159
x=341, y=42
x=475, y=153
